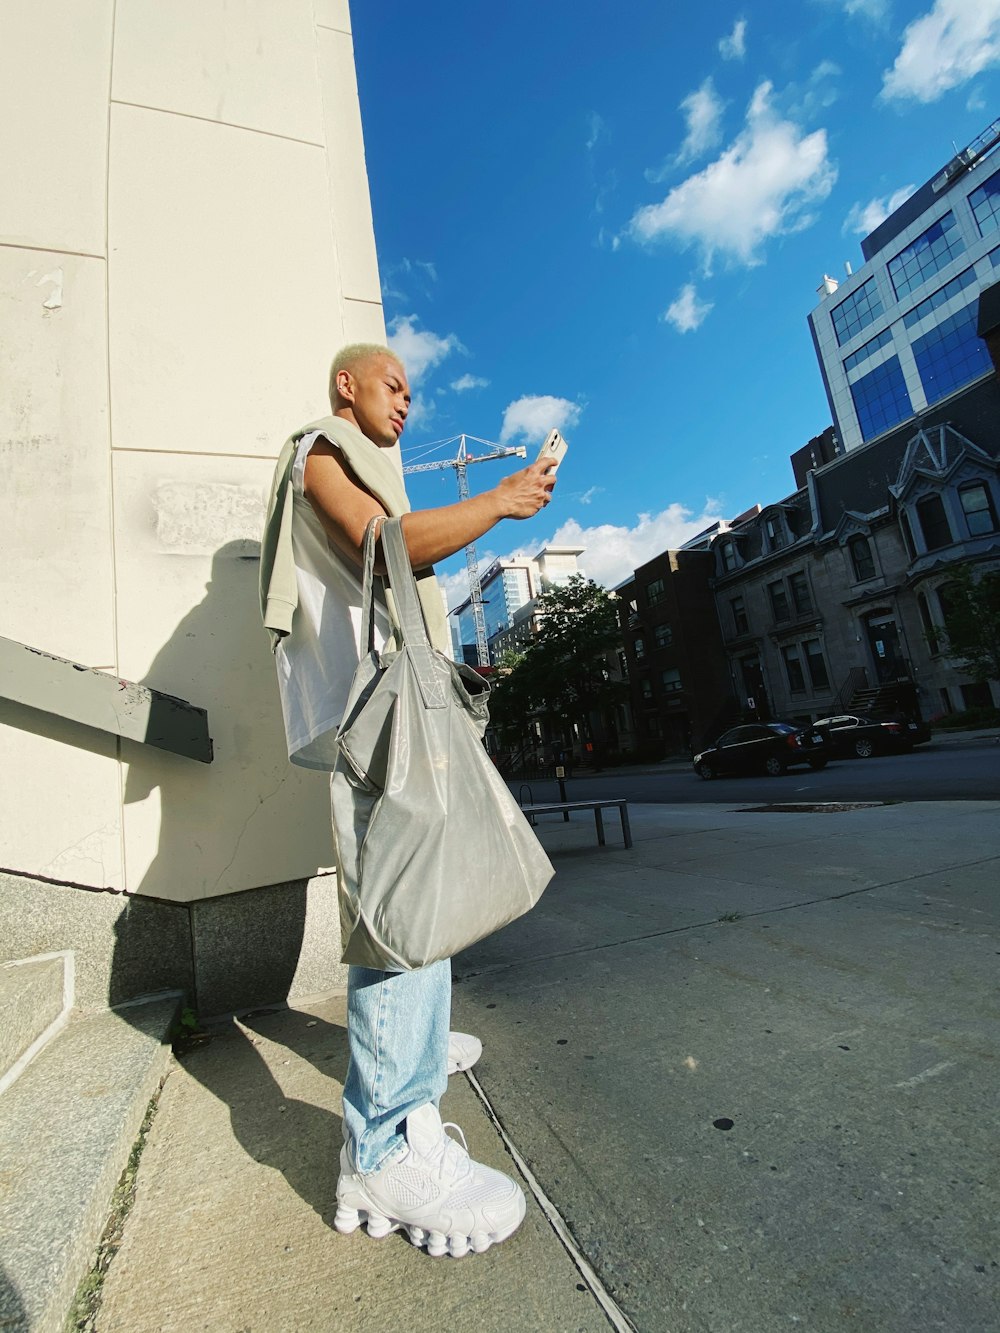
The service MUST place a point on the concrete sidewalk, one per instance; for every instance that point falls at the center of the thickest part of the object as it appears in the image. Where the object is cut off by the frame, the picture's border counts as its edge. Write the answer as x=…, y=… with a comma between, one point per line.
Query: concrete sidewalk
x=751, y=1064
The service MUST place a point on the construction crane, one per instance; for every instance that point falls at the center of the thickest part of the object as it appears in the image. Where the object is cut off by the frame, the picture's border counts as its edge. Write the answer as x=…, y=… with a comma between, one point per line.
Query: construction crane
x=460, y=463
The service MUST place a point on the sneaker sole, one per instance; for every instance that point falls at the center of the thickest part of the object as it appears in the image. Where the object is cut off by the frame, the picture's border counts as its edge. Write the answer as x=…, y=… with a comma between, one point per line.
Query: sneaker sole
x=438, y=1245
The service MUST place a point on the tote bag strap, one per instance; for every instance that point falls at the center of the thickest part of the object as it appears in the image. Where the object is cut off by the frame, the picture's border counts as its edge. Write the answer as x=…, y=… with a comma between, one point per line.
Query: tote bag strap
x=368, y=585
x=409, y=613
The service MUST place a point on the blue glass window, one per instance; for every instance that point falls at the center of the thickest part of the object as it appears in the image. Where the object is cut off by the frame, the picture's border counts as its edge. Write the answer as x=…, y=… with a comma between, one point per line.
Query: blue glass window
x=951, y=354
x=881, y=340
x=881, y=399
x=985, y=203
x=994, y=257
x=856, y=312
x=925, y=256
x=945, y=293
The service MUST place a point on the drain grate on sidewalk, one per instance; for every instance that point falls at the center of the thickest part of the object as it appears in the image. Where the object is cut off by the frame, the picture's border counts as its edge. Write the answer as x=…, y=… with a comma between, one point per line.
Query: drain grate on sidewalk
x=811, y=807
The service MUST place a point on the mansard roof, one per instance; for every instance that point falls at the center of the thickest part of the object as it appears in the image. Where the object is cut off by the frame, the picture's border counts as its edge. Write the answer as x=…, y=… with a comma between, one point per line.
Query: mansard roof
x=861, y=479
x=936, y=453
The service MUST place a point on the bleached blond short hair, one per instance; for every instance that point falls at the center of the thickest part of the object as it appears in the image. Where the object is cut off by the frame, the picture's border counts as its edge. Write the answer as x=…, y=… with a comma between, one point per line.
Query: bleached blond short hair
x=352, y=356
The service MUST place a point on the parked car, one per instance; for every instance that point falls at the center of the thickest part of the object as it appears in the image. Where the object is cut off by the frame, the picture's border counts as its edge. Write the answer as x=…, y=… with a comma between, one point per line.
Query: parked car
x=763, y=747
x=861, y=735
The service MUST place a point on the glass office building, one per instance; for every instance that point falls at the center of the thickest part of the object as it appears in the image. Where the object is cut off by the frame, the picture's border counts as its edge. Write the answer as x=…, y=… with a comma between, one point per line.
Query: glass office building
x=899, y=335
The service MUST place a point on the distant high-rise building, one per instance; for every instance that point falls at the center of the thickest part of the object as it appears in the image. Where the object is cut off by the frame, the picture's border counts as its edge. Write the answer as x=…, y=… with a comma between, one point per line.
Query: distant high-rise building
x=509, y=587
x=899, y=335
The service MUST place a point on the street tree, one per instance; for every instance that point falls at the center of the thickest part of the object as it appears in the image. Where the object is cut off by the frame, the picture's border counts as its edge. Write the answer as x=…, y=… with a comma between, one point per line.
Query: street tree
x=972, y=622
x=562, y=675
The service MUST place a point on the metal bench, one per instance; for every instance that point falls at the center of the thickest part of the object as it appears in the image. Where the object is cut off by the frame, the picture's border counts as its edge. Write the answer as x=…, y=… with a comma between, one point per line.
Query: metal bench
x=565, y=807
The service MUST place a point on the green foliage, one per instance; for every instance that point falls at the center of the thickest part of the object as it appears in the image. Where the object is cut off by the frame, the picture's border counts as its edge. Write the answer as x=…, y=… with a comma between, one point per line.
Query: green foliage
x=972, y=624
x=562, y=674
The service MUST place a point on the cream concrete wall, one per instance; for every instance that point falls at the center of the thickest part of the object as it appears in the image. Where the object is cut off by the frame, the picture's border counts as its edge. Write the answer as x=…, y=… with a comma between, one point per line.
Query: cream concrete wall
x=186, y=237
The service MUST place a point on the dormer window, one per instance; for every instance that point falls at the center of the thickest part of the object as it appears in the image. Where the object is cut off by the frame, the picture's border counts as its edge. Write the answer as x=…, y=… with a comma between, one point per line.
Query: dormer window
x=728, y=557
x=977, y=504
x=934, y=522
x=861, y=558
x=774, y=533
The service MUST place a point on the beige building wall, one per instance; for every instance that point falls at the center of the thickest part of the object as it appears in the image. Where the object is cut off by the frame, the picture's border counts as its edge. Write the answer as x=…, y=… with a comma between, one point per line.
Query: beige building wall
x=185, y=239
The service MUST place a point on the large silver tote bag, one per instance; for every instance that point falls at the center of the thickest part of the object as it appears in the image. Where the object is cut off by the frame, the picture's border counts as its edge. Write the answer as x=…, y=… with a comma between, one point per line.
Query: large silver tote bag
x=432, y=850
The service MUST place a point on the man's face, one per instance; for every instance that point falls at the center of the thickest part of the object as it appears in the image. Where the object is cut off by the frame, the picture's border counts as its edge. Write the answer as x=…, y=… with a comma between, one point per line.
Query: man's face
x=379, y=395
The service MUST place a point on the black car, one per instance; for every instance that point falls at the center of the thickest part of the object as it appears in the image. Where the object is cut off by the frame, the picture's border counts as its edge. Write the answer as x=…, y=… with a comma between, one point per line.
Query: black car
x=860, y=735
x=763, y=747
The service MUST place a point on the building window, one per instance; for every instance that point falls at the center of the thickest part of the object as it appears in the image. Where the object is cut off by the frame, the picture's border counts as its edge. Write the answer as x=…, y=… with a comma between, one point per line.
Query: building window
x=939, y=297
x=856, y=312
x=671, y=680
x=861, y=558
x=640, y=649
x=980, y=515
x=816, y=664
x=930, y=629
x=655, y=592
x=904, y=527
x=779, y=601
x=740, y=623
x=925, y=256
x=933, y=522
x=623, y=664
x=793, y=668
x=774, y=533
x=881, y=340
x=647, y=690
x=664, y=636
x=985, y=202
x=728, y=557
x=881, y=398
x=801, y=599
x=951, y=354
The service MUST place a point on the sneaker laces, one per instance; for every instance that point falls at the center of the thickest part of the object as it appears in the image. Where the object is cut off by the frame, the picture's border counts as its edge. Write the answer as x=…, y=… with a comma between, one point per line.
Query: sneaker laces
x=451, y=1158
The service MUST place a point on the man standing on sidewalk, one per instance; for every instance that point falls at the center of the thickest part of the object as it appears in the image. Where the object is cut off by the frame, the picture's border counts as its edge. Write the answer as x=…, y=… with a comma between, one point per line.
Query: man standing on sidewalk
x=398, y=1167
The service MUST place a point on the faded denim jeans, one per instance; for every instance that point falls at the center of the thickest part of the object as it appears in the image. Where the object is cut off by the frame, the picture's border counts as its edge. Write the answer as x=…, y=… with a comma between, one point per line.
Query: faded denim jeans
x=397, y=1027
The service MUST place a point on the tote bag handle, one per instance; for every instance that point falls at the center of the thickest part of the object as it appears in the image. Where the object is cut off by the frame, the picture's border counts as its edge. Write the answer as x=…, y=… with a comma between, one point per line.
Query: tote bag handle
x=409, y=616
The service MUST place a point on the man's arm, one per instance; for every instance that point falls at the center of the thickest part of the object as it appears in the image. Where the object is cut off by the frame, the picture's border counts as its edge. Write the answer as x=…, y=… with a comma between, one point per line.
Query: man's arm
x=345, y=508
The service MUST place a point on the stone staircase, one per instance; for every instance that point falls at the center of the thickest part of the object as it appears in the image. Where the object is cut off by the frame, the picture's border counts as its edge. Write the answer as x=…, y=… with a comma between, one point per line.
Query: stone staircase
x=74, y=1088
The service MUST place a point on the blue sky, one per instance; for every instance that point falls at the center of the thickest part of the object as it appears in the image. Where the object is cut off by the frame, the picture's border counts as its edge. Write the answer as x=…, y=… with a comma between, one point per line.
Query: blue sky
x=614, y=219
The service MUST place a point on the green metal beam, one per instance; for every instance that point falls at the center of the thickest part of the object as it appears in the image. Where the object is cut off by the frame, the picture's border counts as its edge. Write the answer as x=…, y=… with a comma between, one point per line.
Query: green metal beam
x=67, y=689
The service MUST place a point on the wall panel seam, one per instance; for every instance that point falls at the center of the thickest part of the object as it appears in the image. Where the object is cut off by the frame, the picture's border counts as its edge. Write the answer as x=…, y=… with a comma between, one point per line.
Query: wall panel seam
x=210, y=120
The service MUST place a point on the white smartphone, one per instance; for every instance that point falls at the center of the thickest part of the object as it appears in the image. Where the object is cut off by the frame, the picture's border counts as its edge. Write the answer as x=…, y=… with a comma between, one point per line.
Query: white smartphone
x=553, y=450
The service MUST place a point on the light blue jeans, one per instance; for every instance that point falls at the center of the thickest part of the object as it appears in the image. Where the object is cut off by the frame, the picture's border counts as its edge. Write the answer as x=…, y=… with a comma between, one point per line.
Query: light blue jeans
x=397, y=1028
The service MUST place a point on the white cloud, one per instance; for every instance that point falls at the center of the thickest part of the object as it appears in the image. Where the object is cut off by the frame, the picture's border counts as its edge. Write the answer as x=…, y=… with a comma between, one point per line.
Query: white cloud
x=420, y=350
x=951, y=43
x=597, y=131
x=864, y=218
x=588, y=495
x=734, y=47
x=761, y=186
x=687, y=312
x=532, y=417
x=876, y=11
x=466, y=382
x=613, y=551
x=703, y=114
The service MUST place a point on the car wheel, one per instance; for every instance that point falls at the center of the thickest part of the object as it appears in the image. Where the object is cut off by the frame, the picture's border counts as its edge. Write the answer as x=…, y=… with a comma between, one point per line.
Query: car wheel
x=864, y=749
x=773, y=766
x=705, y=770
x=817, y=764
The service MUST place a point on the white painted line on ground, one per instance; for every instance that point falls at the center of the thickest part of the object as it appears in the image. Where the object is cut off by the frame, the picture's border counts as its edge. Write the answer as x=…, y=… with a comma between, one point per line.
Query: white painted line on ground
x=615, y=1315
x=933, y=1072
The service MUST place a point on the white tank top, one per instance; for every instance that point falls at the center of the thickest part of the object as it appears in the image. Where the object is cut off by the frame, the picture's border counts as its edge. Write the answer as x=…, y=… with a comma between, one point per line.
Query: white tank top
x=317, y=661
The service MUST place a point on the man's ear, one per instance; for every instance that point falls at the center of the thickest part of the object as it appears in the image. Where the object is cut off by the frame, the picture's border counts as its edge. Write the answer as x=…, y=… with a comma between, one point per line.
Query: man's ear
x=345, y=386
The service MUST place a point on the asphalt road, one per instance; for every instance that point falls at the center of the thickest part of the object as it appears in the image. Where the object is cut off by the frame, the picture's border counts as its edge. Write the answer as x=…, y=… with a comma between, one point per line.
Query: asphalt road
x=967, y=772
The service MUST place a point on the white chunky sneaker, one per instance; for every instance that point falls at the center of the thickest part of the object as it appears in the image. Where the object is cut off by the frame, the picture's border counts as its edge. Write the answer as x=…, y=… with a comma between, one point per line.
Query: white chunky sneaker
x=463, y=1051
x=445, y=1202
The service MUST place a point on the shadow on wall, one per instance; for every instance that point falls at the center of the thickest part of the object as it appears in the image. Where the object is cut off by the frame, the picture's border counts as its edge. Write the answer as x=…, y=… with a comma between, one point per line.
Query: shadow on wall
x=210, y=830
x=244, y=944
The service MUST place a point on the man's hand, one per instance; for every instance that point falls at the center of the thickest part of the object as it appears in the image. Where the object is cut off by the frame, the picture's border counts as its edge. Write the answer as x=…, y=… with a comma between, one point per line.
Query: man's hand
x=522, y=494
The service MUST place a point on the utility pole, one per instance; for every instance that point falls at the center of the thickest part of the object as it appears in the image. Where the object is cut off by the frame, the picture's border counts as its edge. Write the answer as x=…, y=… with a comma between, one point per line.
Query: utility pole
x=461, y=463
